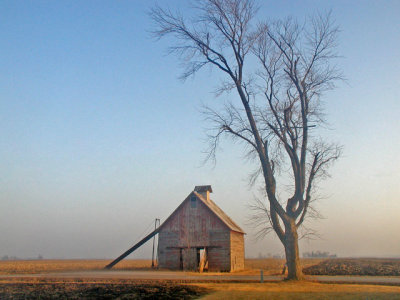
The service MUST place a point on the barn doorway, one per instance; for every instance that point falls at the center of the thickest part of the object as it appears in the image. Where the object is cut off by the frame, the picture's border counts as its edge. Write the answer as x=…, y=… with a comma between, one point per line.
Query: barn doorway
x=202, y=260
x=180, y=259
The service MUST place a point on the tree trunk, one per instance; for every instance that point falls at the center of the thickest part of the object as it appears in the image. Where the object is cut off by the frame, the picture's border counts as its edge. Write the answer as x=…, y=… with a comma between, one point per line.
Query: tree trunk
x=292, y=252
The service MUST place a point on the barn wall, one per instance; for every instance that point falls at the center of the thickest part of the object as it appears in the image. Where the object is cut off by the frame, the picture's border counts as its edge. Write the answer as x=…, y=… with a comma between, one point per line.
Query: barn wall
x=191, y=228
x=219, y=253
x=168, y=253
x=237, y=251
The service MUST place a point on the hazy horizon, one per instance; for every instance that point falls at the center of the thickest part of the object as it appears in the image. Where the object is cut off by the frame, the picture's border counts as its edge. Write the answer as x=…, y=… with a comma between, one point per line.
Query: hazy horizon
x=98, y=136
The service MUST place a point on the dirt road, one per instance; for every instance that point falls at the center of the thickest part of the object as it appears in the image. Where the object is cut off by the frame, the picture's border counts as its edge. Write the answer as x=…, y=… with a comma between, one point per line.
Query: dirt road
x=205, y=277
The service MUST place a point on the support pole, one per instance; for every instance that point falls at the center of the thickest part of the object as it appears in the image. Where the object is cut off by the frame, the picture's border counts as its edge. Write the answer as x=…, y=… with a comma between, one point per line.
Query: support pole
x=154, y=239
x=129, y=251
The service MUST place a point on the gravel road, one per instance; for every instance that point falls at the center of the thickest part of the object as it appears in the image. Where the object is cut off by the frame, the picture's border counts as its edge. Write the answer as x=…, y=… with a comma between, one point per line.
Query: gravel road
x=183, y=276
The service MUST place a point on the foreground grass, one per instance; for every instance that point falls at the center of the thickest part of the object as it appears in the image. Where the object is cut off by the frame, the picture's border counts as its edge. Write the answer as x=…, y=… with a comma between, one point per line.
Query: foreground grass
x=78, y=288
x=34, y=288
x=113, y=289
x=299, y=290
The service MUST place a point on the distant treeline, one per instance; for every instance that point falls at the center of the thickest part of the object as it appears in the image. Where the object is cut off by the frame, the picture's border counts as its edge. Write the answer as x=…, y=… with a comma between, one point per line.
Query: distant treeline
x=318, y=254
x=6, y=257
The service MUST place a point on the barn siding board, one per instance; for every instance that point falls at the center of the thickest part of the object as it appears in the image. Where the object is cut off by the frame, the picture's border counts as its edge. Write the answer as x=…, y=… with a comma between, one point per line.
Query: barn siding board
x=189, y=256
x=193, y=226
x=237, y=251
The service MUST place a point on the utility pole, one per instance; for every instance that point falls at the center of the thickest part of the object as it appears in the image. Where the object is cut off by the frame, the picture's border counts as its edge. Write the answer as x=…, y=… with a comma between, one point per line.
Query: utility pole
x=154, y=239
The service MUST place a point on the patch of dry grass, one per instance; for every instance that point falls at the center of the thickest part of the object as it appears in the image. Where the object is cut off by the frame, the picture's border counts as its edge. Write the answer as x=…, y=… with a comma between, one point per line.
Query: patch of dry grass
x=14, y=287
x=299, y=290
x=18, y=288
x=273, y=266
x=45, y=266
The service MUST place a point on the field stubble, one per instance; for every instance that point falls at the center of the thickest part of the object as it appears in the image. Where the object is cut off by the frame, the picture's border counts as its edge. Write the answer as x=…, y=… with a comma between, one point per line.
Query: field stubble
x=34, y=288
x=47, y=266
x=48, y=288
x=355, y=266
x=40, y=288
x=270, y=266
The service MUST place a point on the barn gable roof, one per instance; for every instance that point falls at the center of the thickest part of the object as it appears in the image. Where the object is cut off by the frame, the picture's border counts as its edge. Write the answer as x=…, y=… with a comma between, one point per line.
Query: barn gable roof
x=213, y=208
x=219, y=213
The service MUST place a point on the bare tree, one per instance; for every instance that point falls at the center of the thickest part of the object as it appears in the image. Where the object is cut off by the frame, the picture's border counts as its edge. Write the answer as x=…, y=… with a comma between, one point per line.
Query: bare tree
x=279, y=99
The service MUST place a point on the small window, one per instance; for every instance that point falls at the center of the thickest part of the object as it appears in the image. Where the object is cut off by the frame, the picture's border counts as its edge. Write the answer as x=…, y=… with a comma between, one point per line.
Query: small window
x=193, y=202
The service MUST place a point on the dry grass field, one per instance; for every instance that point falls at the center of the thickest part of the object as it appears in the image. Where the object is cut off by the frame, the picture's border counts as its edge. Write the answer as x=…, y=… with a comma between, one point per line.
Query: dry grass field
x=355, y=266
x=274, y=266
x=271, y=266
x=46, y=266
x=299, y=291
x=90, y=288
x=35, y=288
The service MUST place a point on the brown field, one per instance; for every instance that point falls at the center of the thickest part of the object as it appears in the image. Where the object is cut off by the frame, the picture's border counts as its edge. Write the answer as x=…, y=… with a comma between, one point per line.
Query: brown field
x=296, y=290
x=355, y=266
x=96, y=289
x=274, y=266
x=75, y=288
x=34, y=288
x=271, y=266
x=45, y=266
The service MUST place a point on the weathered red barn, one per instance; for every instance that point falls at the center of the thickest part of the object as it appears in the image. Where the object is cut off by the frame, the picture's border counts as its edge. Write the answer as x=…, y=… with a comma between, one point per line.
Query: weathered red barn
x=198, y=235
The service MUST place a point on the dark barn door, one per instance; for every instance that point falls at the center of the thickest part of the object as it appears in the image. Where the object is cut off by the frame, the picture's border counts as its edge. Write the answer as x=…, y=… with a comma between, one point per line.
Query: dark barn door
x=180, y=259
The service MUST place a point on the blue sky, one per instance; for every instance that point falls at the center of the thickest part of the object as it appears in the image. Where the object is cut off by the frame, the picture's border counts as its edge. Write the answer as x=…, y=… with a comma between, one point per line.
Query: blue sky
x=98, y=136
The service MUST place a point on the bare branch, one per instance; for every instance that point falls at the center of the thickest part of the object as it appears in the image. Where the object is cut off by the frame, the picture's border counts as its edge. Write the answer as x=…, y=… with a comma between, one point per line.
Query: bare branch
x=260, y=218
x=323, y=156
